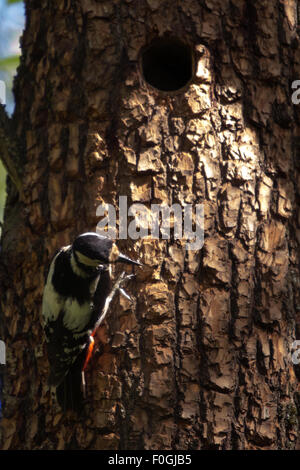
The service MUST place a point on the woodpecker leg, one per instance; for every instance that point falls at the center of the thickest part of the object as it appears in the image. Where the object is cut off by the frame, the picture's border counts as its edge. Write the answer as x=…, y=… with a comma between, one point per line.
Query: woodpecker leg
x=117, y=286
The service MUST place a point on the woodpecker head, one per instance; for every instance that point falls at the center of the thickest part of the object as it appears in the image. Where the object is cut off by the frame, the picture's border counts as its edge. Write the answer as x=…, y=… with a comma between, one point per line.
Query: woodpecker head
x=91, y=250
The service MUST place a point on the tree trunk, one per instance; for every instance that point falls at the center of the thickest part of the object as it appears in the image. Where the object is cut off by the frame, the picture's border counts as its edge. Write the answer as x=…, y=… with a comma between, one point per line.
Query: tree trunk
x=202, y=359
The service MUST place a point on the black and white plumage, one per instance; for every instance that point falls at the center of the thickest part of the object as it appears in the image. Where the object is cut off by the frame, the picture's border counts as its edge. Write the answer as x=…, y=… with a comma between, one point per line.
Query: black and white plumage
x=76, y=294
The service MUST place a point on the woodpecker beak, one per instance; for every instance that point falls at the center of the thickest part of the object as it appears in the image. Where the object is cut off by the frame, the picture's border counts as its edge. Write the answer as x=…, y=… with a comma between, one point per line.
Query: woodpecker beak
x=125, y=259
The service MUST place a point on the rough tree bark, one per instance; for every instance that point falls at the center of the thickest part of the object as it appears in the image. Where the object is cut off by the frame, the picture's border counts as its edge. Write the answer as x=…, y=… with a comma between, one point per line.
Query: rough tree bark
x=202, y=359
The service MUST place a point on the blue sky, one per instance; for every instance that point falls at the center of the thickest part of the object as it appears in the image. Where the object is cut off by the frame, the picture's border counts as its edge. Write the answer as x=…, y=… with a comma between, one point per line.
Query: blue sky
x=11, y=26
x=12, y=21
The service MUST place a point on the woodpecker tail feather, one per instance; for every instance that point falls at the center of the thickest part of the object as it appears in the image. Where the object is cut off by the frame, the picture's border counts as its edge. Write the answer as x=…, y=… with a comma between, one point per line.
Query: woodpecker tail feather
x=69, y=392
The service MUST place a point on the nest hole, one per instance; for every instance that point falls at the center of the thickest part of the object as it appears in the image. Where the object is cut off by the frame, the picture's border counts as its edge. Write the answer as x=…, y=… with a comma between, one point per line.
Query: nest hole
x=167, y=64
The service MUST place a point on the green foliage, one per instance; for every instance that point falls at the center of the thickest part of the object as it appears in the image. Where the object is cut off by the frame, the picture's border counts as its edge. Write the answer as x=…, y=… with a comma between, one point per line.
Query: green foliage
x=12, y=1
x=8, y=63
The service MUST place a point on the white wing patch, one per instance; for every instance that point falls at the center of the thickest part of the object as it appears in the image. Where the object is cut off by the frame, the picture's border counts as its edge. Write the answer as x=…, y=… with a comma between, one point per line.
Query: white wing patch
x=52, y=302
x=76, y=316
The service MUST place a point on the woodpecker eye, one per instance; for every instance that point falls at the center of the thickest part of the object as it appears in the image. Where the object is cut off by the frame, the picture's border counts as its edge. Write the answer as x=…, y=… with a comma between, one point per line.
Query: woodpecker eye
x=167, y=64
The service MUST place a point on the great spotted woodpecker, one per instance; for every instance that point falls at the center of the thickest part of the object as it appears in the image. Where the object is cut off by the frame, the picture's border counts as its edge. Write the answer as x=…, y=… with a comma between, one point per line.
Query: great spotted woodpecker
x=76, y=298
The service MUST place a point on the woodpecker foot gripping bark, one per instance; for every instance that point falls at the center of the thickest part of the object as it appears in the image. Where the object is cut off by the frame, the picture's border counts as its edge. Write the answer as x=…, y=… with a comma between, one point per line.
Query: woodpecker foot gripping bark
x=125, y=294
x=117, y=287
x=122, y=291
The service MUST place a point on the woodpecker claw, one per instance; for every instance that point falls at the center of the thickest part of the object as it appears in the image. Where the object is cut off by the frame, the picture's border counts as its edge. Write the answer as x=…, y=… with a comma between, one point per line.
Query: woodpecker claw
x=124, y=278
x=122, y=291
x=127, y=277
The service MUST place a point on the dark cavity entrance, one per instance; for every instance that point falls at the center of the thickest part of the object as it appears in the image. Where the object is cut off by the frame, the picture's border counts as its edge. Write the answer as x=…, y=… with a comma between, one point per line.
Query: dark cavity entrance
x=167, y=64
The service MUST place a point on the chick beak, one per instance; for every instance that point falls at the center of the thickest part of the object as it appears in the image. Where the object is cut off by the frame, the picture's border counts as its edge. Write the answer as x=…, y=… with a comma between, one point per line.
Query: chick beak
x=124, y=259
